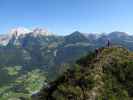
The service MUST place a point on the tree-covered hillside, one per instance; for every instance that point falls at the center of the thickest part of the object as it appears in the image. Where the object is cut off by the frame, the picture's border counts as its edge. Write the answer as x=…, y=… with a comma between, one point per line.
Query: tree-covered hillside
x=103, y=75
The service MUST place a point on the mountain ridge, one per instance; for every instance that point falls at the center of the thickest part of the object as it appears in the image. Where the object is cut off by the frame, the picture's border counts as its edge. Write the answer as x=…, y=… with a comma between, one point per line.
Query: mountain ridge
x=21, y=32
x=94, y=78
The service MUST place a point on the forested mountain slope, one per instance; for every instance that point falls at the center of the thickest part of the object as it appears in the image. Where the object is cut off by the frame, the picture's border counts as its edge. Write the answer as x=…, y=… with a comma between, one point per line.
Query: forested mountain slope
x=106, y=75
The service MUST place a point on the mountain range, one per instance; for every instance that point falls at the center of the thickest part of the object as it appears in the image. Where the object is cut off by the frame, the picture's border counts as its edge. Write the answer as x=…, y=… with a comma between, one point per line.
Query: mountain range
x=42, y=49
x=31, y=58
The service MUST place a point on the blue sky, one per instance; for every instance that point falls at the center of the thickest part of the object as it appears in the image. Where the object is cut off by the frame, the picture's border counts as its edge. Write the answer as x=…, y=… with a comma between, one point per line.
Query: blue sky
x=66, y=16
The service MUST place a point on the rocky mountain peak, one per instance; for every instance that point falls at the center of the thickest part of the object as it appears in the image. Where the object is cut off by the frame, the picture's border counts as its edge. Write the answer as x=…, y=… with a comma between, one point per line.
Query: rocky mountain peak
x=19, y=31
x=118, y=34
x=41, y=31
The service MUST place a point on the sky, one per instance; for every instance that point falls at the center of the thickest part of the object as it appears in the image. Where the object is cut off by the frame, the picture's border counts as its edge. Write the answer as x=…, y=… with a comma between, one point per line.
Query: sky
x=66, y=16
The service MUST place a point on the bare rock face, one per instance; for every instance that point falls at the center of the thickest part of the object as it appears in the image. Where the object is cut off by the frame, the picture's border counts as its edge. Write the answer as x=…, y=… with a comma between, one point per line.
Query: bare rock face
x=16, y=34
x=41, y=31
x=19, y=31
x=4, y=39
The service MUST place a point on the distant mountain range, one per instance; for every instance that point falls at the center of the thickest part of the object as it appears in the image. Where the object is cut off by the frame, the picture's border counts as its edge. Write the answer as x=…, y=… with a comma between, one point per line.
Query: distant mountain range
x=42, y=49
x=29, y=57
